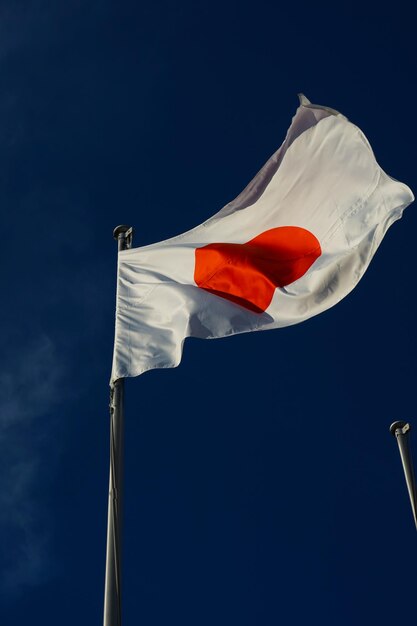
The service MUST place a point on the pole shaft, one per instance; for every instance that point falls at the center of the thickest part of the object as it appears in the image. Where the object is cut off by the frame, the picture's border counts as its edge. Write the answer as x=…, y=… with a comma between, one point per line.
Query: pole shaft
x=401, y=430
x=112, y=586
x=403, y=445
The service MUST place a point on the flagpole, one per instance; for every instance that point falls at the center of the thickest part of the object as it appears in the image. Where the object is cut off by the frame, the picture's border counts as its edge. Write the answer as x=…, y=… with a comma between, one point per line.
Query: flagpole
x=112, y=586
x=400, y=430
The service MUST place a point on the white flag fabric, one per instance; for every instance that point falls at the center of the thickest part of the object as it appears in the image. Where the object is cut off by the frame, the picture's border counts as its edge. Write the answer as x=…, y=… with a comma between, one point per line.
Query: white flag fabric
x=291, y=245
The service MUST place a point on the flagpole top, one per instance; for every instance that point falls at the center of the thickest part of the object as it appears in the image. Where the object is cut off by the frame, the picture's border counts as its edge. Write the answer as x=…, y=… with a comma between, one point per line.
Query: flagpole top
x=399, y=425
x=122, y=229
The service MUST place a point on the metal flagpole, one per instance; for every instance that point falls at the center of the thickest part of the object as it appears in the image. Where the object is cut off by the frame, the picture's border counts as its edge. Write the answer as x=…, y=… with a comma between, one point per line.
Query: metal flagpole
x=112, y=587
x=400, y=431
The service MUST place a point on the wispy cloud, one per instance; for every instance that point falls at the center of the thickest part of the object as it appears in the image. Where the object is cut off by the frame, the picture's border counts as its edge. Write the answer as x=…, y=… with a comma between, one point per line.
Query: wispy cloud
x=29, y=389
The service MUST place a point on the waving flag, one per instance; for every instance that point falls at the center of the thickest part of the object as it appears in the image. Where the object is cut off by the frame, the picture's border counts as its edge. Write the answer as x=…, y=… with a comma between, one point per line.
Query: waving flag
x=291, y=245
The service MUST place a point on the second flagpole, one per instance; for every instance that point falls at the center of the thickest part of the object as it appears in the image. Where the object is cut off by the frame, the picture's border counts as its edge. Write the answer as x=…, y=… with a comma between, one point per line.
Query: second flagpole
x=112, y=588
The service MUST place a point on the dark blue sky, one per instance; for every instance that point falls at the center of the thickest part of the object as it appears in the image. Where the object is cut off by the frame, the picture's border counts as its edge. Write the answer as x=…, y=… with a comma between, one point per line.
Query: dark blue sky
x=262, y=485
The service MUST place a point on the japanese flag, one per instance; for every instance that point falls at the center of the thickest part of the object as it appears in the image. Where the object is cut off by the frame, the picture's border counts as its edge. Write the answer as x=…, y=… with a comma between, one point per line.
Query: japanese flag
x=292, y=244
